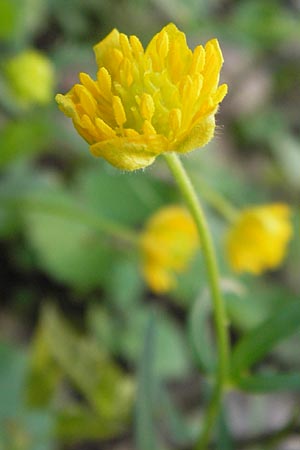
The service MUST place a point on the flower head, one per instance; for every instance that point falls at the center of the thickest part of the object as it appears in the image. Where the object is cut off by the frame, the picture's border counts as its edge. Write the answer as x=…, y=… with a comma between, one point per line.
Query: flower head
x=258, y=239
x=31, y=77
x=147, y=102
x=168, y=243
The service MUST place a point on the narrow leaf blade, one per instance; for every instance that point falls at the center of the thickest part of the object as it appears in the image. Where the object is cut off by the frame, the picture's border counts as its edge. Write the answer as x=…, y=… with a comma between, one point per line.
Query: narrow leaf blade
x=145, y=433
x=259, y=341
x=270, y=382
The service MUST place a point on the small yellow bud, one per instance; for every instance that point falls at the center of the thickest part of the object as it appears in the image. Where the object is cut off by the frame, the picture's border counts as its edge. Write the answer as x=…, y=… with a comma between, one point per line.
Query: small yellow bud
x=31, y=77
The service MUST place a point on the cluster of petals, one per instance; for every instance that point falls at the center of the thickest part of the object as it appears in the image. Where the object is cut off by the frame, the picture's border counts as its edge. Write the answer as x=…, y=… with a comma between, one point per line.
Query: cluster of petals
x=168, y=243
x=145, y=102
x=258, y=239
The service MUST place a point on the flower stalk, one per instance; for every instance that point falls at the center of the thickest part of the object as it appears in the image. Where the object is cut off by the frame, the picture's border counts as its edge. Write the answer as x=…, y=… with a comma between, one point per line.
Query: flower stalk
x=72, y=213
x=217, y=201
x=188, y=192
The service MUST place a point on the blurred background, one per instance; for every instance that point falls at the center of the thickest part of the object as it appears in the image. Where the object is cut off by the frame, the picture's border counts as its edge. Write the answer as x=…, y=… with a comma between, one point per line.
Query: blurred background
x=79, y=327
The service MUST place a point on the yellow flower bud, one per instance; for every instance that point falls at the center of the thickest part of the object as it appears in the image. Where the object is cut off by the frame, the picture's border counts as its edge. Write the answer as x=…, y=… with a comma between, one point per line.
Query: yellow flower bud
x=31, y=77
x=161, y=99
x=168, y=243
x=258, y=239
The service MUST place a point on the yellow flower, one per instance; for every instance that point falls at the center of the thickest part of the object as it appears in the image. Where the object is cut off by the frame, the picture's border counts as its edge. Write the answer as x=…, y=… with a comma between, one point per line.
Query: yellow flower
x=31, y=77
x=168, y=243
x=258, y=239
x=147, y=102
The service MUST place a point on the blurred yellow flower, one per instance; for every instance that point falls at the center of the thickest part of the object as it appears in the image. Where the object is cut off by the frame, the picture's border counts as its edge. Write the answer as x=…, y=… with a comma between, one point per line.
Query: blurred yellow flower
x=147, y=102
x=258, y=240
x=168, y=243
x=31, y=77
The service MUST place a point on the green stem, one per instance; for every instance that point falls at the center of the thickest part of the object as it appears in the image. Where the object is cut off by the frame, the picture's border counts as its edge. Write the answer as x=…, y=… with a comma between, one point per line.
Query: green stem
x=189, y=195
x=72, y=212
x=220, y=204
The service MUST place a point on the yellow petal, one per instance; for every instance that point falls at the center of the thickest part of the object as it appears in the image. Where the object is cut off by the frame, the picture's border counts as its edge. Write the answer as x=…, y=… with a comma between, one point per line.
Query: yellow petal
x=66, y=105
x=130, y=153
x=119, y=112
x=147, y=107
x=168, y=242
x=158, y=278
x=103, y=48
x=197, y=137
x=158, y=100
x=258, y=240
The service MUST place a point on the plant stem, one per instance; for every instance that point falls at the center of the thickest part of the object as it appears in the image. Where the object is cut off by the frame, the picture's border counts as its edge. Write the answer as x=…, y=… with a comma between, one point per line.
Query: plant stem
x=189, y=195
x=219, y=203
x=72, y=212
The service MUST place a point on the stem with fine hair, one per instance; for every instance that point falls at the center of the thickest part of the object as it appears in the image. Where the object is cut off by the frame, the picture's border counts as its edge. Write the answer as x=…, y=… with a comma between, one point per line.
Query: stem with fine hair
x=188, y=192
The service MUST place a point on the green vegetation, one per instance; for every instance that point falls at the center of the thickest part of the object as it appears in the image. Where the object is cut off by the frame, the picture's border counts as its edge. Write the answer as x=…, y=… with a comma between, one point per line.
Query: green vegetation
x=89, y=356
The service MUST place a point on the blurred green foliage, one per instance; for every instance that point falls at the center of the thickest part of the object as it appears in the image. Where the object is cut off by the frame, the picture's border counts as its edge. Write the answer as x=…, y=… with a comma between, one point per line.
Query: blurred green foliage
x=83, y=339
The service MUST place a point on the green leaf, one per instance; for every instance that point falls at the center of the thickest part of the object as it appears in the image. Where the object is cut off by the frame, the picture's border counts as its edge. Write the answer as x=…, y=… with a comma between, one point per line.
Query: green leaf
x=44, y=374
x=24, y=138
x=19, y=178
x=259, y=341
x=181, y=432
x=127, y=288
x=21, y=427
x=37, y=428
x=8, y=18
x=260, y=24
x=145, y=432
x=108, y=390
x=250, y=303
x=189, y=282
x=124, y=198
x=13, y=366
x=20, y=19
x=76, y=423
x=289, y=160
x=66, y=247
x=172, y=353
x=269, y=382
x=104, y=327
x=71, y=240
x=172, y=359
x=224, y=439
x=199, y=334
x=34, y=16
